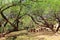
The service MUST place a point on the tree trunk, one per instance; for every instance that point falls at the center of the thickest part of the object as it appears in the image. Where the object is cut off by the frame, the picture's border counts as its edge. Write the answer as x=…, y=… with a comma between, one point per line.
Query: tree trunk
x=58, y=27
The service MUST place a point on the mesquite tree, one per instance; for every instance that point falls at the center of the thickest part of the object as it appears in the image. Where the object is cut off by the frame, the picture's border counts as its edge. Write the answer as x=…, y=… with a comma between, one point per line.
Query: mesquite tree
x=38, y=10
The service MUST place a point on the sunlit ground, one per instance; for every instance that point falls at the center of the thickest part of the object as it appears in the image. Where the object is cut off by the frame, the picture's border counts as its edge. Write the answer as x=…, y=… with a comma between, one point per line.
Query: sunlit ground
x=34, y=36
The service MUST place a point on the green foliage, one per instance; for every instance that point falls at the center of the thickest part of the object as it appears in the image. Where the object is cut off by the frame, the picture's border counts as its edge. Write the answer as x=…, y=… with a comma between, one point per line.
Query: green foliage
x=45, y=8
x=38, y=7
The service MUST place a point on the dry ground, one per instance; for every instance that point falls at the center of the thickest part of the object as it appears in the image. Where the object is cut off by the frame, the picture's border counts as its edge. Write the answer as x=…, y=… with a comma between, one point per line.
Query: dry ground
x=35, y=36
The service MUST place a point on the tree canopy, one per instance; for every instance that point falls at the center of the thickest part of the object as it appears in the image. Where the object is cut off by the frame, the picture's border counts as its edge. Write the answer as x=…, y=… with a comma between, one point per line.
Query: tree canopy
x=29, y=13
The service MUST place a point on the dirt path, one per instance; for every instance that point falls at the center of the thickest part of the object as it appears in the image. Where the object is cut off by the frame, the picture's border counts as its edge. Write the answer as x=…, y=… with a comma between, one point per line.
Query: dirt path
x=56, y=36
x=38, y=36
